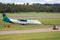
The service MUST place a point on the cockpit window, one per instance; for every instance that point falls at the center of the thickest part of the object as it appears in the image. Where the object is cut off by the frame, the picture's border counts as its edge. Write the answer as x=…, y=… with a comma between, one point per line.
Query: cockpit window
x=23, y=20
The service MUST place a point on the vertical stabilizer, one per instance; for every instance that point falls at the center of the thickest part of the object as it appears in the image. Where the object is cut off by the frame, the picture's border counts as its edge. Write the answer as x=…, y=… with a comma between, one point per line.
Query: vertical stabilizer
x=5, y=17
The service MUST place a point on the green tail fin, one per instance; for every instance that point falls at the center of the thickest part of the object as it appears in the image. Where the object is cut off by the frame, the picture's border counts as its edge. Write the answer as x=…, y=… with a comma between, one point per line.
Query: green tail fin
x=5, y=17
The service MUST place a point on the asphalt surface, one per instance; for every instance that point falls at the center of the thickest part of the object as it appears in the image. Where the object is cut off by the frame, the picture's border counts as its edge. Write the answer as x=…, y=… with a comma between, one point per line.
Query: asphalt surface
x=29, y=31
x=18, y=17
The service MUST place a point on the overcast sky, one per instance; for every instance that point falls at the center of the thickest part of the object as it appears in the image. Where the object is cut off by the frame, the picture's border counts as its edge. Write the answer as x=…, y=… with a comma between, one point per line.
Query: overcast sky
x=30, y=1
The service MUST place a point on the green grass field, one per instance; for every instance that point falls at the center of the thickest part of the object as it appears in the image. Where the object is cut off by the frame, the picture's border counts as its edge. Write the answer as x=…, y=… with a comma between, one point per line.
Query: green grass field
x=32, y=36
x=33, y=14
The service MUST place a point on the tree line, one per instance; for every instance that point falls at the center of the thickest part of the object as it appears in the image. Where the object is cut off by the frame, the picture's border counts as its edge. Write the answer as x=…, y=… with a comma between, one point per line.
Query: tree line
x=35, y=7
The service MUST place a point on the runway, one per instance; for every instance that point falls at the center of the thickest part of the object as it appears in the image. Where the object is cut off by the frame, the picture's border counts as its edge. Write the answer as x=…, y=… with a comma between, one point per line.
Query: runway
x=29, y=31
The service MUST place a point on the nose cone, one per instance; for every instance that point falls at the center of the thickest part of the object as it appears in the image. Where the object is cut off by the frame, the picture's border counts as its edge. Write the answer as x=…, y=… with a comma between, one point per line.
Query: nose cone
x=39, y=23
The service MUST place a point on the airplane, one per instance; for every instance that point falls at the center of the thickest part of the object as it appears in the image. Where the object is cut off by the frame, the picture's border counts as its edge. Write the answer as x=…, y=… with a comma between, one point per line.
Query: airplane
x=22, y=22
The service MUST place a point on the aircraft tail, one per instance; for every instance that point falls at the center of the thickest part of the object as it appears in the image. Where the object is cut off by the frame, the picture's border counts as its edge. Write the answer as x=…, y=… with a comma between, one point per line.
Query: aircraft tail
x=5, y=17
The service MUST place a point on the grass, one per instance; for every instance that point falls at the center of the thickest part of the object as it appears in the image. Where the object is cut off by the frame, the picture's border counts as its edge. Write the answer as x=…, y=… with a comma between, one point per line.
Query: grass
x=33, y=14
x=32, y=36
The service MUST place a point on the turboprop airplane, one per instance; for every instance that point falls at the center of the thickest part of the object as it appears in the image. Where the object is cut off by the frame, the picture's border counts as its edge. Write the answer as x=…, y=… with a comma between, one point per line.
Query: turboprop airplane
x=23, y=22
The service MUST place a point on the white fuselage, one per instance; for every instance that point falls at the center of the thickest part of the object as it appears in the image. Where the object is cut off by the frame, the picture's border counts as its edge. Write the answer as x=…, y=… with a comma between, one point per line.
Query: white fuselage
x=26, y=21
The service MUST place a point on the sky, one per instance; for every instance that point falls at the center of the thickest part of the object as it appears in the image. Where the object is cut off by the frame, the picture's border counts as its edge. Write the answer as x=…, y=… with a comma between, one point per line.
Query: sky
x=30, y=1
